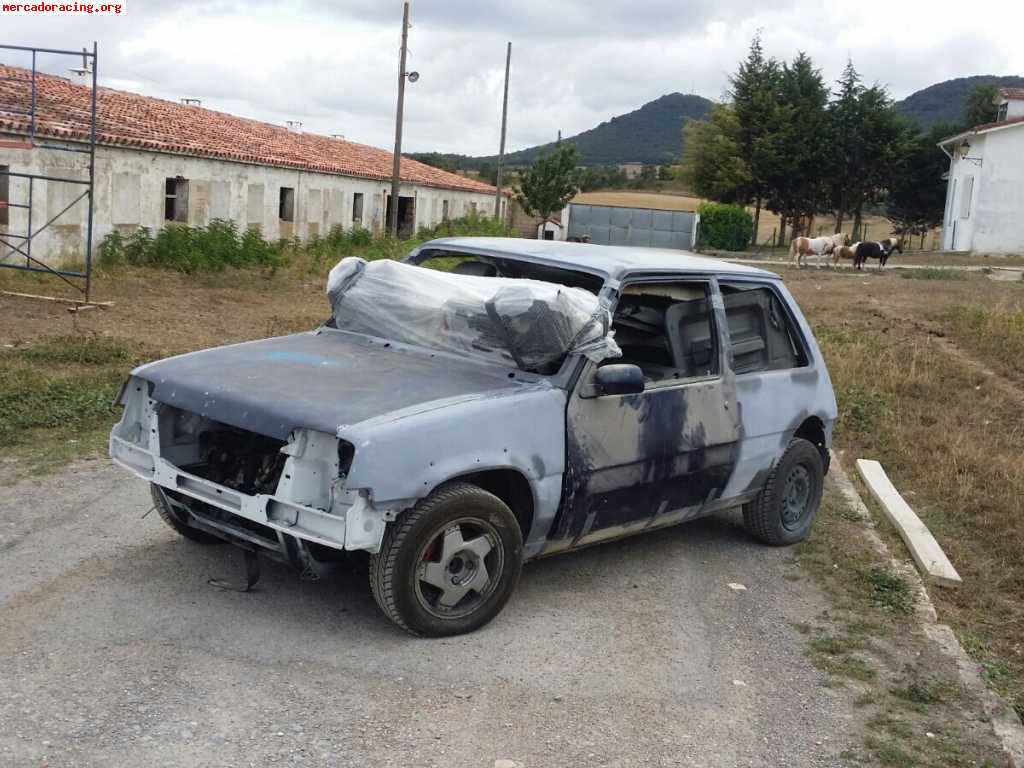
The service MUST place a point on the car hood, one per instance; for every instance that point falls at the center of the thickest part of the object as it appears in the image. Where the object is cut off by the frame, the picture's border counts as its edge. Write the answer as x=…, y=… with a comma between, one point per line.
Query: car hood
x=322, y=380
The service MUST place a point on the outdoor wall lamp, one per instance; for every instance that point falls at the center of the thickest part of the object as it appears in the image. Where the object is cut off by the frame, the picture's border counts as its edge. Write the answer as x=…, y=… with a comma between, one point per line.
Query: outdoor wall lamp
x=965, y=148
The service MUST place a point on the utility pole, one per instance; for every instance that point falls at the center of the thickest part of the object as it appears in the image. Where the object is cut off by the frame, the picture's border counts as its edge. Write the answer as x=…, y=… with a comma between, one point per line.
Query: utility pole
x=396, y=180
x=504, y=123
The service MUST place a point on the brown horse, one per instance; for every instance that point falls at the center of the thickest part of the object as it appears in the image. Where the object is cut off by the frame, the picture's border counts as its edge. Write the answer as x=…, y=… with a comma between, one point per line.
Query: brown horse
x=802, y=247
x=844, y=252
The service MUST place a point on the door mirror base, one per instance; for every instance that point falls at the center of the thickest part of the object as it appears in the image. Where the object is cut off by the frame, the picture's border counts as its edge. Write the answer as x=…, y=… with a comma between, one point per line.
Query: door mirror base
x=618, y=379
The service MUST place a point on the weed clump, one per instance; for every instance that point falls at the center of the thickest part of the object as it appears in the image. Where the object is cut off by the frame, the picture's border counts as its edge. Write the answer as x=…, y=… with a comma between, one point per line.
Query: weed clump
x=190, y=249
x=220, y=245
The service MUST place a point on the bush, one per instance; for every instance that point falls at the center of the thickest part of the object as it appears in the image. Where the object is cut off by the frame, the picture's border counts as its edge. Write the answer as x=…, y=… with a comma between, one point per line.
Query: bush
x=219, y=245
x=191, y=249
x=728, y=227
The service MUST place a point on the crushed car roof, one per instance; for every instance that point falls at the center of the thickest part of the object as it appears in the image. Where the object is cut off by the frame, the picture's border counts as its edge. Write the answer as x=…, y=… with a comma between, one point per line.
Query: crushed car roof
x=609, y=261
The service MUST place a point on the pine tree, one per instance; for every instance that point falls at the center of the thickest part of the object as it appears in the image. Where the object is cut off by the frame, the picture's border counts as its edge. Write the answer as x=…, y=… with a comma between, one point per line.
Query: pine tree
x=712, y=165
x=845, y=120
x=754, y=89
x=794, y=152
x=917, y=196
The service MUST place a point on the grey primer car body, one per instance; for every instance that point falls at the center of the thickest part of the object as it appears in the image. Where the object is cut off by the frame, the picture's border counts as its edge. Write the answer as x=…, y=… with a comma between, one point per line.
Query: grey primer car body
x=346, y=431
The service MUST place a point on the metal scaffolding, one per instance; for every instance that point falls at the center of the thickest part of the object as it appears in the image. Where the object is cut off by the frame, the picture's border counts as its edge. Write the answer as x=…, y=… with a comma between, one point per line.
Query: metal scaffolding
x=81, y=281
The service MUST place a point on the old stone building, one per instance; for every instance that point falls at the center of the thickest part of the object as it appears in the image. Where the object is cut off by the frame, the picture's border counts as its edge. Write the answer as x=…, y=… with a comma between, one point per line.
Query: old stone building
x=159, y=161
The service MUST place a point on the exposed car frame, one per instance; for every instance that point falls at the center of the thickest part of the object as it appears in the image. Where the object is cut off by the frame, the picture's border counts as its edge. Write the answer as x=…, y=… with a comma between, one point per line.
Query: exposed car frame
x=580, y=455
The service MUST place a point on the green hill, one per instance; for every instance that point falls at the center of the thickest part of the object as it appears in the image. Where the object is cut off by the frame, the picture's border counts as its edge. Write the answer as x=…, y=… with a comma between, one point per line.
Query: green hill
x=652, y=134
x=944, y=102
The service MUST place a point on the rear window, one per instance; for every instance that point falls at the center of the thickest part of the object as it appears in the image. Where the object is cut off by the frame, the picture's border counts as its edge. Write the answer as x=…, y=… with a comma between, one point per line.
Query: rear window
x=762, y=334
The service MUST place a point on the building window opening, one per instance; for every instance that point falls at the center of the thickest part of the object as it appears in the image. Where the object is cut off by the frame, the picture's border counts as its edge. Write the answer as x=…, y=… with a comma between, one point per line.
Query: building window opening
x=286, y=204
x=357, y=208
x=5, y=195
x=176, y=199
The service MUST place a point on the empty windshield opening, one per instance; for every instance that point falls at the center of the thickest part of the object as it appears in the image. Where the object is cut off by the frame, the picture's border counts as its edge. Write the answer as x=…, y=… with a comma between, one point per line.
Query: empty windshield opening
x=454, y=261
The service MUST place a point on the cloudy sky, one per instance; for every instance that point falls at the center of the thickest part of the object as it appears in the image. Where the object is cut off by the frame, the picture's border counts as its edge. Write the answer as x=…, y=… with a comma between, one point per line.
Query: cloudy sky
x=333, y=63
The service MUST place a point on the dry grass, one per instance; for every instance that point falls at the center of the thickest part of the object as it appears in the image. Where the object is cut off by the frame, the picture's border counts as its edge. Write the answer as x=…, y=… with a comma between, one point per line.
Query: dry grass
x=877, y=227
x=992, y=332
x=948, y=434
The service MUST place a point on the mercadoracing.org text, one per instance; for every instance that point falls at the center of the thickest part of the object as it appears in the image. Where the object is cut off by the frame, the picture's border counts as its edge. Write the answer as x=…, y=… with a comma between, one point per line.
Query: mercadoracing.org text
x=63, y=9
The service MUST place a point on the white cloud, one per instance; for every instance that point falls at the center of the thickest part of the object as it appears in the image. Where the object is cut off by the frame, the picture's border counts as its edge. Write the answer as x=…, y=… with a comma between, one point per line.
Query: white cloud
x=333, y=63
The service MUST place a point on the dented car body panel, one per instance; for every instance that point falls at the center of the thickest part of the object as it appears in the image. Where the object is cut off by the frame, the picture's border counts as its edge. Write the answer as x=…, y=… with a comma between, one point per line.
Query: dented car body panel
x=326, y=438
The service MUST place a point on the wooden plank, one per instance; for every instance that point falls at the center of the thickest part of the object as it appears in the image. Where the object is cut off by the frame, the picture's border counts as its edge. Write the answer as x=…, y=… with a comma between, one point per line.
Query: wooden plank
x=60, y=299
x=928, y=555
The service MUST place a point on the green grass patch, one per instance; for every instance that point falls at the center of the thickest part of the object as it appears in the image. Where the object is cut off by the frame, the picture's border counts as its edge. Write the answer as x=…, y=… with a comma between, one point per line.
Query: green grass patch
x=87, y=350
x=934, y=273
x=56, y=397
x=889, y=591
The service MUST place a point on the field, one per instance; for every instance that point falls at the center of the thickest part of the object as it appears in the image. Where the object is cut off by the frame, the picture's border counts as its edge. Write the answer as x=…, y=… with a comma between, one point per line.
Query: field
x=877, y=226
x=929, y=374
x=928, y=369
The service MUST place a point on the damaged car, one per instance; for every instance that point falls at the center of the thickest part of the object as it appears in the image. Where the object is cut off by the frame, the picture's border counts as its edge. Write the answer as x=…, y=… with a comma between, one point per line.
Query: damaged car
x=523, y=399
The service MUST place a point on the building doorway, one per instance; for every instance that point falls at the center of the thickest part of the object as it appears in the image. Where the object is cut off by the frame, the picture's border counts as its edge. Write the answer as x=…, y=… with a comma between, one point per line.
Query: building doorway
x=406, y=215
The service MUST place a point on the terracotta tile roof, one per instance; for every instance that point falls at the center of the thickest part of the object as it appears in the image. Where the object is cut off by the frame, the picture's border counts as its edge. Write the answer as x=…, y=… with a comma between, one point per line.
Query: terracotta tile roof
x=1012, y=93
x=131, y=120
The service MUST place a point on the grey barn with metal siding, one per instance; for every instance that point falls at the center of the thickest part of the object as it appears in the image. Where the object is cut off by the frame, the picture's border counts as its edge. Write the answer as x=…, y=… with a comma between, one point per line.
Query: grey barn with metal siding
x=637, y=227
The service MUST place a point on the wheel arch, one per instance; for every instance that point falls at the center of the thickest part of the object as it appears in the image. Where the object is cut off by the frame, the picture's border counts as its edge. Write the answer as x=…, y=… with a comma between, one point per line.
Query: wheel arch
x=508, y=484
x=813, y=431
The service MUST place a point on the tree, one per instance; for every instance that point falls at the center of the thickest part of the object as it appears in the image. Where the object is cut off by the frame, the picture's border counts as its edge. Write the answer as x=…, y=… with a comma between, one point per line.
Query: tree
x=917, y=195
x=550, y=183
x=712, y=166
x=844, y=123
x=487, y=172
x=754, y=88
x=601, y=177
x=981, y=106
x=867, y=140
x=793, y=152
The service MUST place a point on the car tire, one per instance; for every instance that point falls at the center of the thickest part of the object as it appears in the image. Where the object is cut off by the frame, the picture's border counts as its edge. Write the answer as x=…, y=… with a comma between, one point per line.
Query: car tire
x=785, y=509
x=448, y=565
x=174, y=518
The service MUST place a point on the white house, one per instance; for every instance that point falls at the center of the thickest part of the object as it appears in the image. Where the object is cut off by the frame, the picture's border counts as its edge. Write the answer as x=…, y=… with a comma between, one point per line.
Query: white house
x=985, y=192
x=160, y=161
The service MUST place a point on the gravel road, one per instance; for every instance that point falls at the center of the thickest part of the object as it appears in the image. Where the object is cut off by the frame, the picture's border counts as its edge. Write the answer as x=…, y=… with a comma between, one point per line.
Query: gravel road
x=114, y=651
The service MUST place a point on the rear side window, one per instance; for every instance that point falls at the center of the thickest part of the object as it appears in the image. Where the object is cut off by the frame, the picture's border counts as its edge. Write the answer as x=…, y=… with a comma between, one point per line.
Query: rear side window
x=761, y=332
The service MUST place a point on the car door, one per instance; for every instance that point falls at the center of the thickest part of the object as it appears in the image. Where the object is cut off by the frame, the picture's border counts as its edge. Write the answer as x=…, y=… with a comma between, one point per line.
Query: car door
x=661, y=455
x=776, y=388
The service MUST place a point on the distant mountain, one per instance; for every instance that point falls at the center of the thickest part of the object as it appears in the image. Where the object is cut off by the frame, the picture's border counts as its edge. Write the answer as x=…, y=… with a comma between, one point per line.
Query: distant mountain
x=652, y=134
x=945, y=102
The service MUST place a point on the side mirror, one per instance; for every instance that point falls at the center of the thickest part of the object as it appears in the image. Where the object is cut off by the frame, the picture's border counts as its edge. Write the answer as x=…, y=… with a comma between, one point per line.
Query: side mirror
x=621, y=379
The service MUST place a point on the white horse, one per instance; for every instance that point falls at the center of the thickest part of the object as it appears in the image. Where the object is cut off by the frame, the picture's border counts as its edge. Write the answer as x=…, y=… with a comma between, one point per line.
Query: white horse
x=802, y=247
